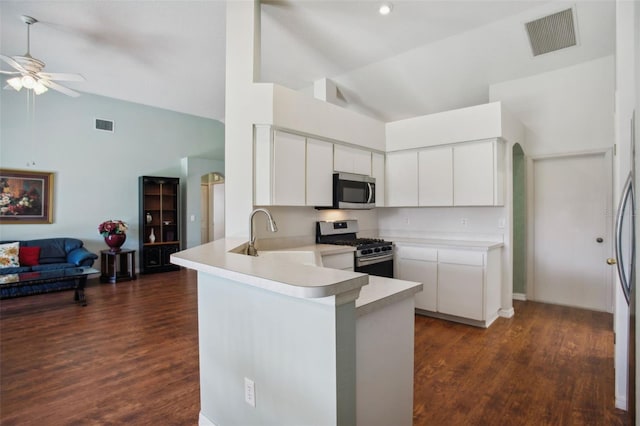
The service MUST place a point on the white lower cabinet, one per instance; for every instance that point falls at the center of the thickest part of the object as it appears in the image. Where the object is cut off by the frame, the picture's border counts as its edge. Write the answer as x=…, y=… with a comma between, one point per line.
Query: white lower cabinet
x=460, y=289
x=342, y=261
x=419, y=264
x=459, y=284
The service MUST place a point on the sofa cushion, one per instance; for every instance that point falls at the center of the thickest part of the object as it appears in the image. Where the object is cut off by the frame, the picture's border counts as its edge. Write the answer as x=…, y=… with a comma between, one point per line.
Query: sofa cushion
x=15, y=270
x=53, y=250
x=52, y=266
x=9, y=255
x=29, y=256
x=81, y=257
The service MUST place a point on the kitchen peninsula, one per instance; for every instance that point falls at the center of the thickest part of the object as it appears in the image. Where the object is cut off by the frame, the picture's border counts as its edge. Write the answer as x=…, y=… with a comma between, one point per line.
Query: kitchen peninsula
x=284, y=342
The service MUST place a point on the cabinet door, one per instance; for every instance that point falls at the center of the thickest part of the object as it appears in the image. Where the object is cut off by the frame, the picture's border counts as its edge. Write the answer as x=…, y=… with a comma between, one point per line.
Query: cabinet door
x=342, y=261
x=319, y=173
x=460, y=290
x=422, y=272
x=402, y=179
x=435, y=174
x=288, y=169
x=377, y=171
x=473, y=174
x=362, y=162
x=352, y=160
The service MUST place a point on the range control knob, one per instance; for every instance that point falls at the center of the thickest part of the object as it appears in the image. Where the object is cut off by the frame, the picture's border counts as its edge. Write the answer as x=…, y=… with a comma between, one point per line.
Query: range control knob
x=377, y=249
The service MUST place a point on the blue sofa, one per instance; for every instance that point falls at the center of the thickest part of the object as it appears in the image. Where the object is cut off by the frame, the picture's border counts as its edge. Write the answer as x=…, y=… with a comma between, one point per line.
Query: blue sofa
x=55, y=253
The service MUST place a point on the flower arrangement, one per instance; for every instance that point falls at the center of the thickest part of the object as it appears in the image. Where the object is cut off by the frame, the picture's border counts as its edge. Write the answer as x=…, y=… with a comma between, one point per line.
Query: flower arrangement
x=110, y=227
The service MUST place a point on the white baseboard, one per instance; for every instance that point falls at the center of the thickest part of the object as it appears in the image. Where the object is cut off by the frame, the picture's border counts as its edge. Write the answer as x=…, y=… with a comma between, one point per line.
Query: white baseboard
x=203, y=421
x=506, y=313
x=519, y=296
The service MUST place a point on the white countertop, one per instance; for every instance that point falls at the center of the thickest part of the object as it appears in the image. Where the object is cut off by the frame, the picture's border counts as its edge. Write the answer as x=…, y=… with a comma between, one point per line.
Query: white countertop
x=293, y=279
x=382, y=292
x=447, y=243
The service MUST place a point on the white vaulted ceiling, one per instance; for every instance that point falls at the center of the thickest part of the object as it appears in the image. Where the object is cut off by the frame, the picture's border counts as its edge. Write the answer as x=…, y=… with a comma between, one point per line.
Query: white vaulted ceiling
x=427, y=56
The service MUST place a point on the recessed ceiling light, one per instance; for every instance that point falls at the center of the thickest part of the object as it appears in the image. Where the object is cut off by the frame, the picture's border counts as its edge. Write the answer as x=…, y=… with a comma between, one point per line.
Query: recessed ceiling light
x=385, y=9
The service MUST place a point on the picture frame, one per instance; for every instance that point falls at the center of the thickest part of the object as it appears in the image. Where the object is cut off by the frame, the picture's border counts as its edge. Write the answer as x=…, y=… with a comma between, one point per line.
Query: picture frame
x=26, y=197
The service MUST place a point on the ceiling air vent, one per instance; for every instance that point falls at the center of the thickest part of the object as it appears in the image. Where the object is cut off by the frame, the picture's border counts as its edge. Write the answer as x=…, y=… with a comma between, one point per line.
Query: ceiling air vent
x=106, y=125
x=553, y=32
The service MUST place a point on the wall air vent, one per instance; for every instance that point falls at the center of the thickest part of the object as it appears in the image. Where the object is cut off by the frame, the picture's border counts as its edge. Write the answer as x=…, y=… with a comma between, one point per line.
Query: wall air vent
x=105, y=125
x=553, y=32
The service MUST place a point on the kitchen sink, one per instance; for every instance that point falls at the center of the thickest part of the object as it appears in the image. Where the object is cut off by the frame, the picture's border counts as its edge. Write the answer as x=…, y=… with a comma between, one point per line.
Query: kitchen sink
x=304, y=257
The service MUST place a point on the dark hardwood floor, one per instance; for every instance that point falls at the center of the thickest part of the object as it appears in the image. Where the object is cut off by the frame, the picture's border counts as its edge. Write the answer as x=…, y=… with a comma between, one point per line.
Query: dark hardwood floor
x=131, y=357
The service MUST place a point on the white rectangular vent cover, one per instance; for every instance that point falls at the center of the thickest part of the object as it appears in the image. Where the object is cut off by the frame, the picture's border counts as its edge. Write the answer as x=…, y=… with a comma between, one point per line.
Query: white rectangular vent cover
x=553, y=32
x=106, y=125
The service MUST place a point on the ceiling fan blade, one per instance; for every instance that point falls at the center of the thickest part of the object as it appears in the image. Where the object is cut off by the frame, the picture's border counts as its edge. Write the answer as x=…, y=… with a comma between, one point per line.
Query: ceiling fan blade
x=60, y=88
x=13, y=63
x=10, y=72
x=59, y=76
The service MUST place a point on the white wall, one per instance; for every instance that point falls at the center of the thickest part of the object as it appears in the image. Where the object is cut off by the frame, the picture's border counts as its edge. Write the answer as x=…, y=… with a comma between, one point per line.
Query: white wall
x=96, y=173
x=568, y=110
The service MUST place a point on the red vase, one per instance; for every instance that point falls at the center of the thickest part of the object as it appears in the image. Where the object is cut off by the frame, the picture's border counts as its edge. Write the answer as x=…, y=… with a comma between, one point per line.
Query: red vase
x=115, y=241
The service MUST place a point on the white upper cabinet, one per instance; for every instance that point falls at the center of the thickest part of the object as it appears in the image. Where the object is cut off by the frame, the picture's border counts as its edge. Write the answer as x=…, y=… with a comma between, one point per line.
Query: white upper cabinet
x=319, y=173
x=402, y=179
x=288, y=169
x=478, y=174
x=352, y=160
x=377, y=171
x=291, y=170
x=435, y=172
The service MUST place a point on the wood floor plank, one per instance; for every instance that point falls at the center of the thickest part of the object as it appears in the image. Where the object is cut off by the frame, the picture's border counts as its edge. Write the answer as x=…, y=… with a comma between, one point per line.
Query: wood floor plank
x=131, y=357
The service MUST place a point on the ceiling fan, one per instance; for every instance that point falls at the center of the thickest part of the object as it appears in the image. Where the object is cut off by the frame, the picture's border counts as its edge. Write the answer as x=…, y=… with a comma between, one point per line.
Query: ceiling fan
x=29, y=71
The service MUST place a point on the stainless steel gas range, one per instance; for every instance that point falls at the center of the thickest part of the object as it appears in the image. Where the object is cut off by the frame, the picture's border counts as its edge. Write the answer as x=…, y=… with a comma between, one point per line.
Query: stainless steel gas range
x=372, y=256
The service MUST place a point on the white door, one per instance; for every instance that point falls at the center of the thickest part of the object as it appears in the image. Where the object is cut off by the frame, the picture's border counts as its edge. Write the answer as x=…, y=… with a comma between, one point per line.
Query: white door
x=571, y=213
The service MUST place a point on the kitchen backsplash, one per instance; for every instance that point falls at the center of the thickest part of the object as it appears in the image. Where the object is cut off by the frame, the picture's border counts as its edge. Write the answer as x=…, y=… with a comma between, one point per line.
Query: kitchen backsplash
x=297, y=225
x=468, y=223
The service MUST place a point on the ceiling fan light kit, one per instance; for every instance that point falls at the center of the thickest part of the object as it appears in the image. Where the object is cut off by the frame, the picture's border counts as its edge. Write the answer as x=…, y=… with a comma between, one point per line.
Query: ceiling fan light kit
x=29, y=71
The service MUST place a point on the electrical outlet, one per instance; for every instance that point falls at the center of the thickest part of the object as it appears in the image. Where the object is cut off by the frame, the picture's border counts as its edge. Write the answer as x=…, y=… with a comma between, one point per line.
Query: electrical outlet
x=464, y=221
x=406, y=220
x=249, y=392
x=501, y=223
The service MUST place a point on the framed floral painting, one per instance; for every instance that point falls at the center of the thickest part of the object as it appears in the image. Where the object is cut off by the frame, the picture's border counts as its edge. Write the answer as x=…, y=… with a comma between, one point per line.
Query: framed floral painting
x=26, y=196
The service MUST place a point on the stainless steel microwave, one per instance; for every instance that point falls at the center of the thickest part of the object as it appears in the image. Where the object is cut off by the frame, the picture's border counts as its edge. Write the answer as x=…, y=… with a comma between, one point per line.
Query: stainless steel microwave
x=351, y=191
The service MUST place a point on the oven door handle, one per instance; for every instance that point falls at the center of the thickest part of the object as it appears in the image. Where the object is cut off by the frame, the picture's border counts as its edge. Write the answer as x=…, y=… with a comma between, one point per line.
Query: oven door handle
x=363, y=261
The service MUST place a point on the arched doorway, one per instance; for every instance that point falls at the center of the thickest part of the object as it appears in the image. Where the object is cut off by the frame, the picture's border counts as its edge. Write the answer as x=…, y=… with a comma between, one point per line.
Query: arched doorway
x=212, y=207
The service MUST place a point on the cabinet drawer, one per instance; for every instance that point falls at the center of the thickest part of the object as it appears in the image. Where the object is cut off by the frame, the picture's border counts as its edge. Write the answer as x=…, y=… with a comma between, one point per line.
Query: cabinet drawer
x=417, y=253
x=338, y=261
x=461, y=257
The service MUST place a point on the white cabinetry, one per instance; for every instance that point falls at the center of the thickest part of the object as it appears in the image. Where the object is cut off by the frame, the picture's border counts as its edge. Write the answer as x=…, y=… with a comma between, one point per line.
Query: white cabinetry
x=435, y=173
x=461, y=283
x=463, y=174
x=288, y=169
x=478, y=173
x=342, y=261
x=319, y=173
x=352, y=160
x=291, y=170
x=377, y=171
x=458, y=284
x=402, y=179
x=419, y=264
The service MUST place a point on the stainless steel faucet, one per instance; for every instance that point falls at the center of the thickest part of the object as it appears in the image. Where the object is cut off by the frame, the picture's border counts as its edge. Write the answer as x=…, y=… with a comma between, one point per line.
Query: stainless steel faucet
x=251, y=249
